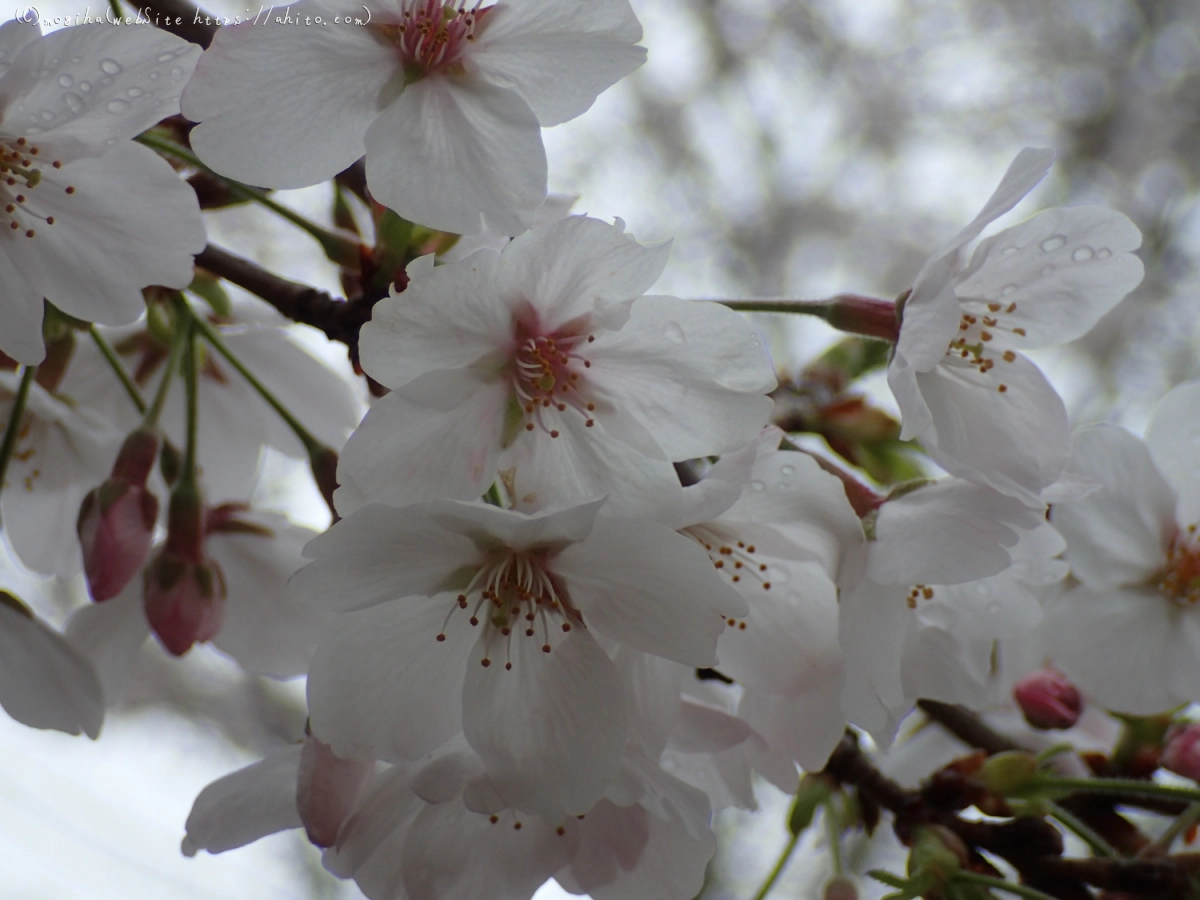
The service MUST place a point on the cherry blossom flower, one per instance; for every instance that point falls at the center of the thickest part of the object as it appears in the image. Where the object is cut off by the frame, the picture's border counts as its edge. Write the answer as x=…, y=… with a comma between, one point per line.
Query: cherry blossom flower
x=446, y=99
x=89, y=218
x=980, y=408
x=62, y=451
x=939, y=568
x=44, y=681
x=467, y=617
x=545, y=366
x=1128, y=634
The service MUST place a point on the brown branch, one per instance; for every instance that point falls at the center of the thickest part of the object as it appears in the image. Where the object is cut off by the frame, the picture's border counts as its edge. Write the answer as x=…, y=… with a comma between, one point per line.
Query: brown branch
x=340, y=320
x=967, y=727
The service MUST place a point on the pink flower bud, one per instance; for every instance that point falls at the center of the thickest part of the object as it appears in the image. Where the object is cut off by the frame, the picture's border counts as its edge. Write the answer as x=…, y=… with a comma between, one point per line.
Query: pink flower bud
x=116, y=519
x=327, y=787
x=1048, y=700
x=185, y=591
x=184, y=600
x=1181, y=755
x=841, y=888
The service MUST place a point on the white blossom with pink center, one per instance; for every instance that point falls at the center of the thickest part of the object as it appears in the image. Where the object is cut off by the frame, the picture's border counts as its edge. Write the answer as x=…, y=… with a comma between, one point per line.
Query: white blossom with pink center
x=446, y=99
x=981, y=409
x=543, y=366
x=87, y=217
x=1128, y=633
x=467, y=617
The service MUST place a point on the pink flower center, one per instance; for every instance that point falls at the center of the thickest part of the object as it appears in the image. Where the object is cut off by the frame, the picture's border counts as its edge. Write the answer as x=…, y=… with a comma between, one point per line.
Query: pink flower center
x=432, y=35
x=734, y=559
x=1181, y=578
x=548, y=377
x=513, y=595
x=20, y=177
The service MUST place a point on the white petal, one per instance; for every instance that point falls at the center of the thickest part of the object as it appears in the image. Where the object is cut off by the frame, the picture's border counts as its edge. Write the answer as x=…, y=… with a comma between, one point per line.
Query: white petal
x=1064, y=269
x=705, y=729
x=1119, y=534
x=327, y=789
x=258, y=89
x=1015, y=441
x=687, y=371
x=381, y=671
x=450, y=319
x=246, y=805
x=15, y=34
x=134, y=77
x=1117, y=645
x=611, y=841
x=371, y=841
x=491, y=527
x=131, y=223
x=111, y=635
x=550, y=729
x=1023, y=175
x=583, y=463
x=644, y=585
x=947, y=532
x=21, y=311
x=380, y=553
x=671, y=865
x=872, y=621
x=405, y=451
x=44, y=681
x=790, y=638
x=458, y=155
x=804, y=728
x=451, y=852
x=557, y=56
x=268, y=631
x=577, y=266
x=1173, y=437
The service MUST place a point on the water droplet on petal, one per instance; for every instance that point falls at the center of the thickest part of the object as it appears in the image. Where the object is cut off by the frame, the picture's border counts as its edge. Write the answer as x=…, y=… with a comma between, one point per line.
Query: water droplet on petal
x=1049, y=270
x=77, y=59
x=1103, y=253
x=1008, y=289
x=1054, y=242
x=110, y=67
x=47, y=116
x=85, y=86
x=1083, y=254
x=757, y=485
x=117, y=106
x=134, y=92
x=154, y=75
x=65, y=80
x=166, y=57
x=176, y=73
x=33, y=130
x=787, y=470
x=1009, y=251
x=110, y=142
x=75, y=103
x=674, y=333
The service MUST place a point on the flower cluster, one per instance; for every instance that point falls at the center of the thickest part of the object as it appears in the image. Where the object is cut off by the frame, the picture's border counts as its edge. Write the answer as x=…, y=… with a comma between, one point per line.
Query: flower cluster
x=580, y=589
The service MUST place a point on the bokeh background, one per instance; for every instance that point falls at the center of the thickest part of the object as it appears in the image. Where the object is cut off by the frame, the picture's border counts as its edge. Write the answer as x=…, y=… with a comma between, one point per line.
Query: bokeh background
x=791, y=148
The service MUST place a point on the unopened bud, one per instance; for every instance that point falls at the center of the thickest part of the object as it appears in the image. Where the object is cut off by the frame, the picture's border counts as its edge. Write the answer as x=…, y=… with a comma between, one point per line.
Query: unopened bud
x=184, y=600
x=841, y=888
x=324, y=463
x=327, y=788
x=1181, y=755
x=1008, y=772
x=1048, y=700
x=116, y=520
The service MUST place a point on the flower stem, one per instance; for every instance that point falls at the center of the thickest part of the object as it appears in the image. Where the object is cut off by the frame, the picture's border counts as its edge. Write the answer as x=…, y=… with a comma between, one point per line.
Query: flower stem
x=14, y=420
x=1001, y=884
x=180, y=338
x=853, y=313
x=210, y=334
x=191, y=380
x=1184, y=821
x=780, y=865
x=1099, y=845
x=114, y=363
x=1130, y=786
x=835, y=840
x=339, y=249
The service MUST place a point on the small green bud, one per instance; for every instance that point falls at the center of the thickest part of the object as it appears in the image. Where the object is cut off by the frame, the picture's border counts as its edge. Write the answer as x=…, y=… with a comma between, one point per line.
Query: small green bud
x=812, y=793
x=1006, y=773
